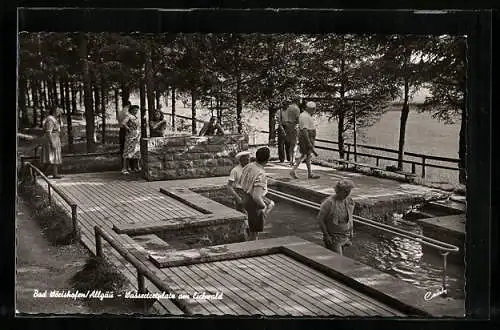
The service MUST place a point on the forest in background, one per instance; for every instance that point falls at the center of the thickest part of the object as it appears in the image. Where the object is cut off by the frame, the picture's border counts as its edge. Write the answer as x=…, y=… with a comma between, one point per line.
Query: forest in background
x=352, y=78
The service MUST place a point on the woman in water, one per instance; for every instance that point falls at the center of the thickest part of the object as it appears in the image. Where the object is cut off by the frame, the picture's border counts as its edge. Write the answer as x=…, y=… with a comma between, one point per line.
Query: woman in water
x=335, y=217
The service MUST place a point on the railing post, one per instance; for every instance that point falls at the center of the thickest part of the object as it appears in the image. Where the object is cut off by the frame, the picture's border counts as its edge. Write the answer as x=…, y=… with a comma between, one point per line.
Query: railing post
x=413, y=168
x=140, y=282
x=348, y=151
x=49, y=193
x=377, y=160
x=98, y=243
x=445, y=255
x=423, y=167
x=74, y=220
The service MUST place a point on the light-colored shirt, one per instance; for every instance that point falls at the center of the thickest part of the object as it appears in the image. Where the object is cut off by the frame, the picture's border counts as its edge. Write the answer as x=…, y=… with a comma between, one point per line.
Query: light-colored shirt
x=306, y=121
x=293, y=115
x=235, y=175
x=283, y=116
x=122, y=115
x=253, y=175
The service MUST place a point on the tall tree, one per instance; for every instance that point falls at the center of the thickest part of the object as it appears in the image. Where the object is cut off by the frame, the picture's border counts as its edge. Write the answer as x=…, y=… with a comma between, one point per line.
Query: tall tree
x=87, y=86
x=446, y=82
x=404, y=63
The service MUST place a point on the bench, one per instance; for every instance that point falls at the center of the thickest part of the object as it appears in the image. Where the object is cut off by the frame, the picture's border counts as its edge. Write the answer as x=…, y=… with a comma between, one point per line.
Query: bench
x=374, y=169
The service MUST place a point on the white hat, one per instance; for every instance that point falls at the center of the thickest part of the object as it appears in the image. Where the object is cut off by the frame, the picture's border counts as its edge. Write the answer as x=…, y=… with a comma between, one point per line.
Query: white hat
x=242, y=153
x=311, y=105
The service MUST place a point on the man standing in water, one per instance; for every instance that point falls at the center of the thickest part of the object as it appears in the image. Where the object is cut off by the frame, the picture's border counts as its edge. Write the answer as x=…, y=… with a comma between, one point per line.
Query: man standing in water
x=335, y=217
x=307, y=136
x=254, y=184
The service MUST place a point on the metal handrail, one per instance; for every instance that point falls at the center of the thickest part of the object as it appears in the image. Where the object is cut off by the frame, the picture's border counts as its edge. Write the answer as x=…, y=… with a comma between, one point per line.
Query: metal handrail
x=64, y=197
x=142, y=271
x=444, y=248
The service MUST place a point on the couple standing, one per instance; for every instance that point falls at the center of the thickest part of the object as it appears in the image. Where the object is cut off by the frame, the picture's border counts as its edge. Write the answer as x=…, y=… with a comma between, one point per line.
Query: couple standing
x=289, y=119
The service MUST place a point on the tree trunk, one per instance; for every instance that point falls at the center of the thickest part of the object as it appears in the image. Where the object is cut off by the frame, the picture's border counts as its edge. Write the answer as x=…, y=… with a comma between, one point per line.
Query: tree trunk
x=125, y=93
x=97, y=99
x=157, y=97
x=117, y=105
x=150, y=86
x=62, y=96
x=239, y=104
x=404, y=115
x=53, y=87
x=27, y=91
x=73, y=99
x=103, y=112
x=80, y=90
x=22, y=103
x=340, y=133
x=462, y=149
x=87, y=86
x=35, y=102
x=43, y=95
x=193, y=112
x=40, y=102
x=67, y=97
x=69, y=123
x=272, y=125
x=173, y=108
x=142, y=97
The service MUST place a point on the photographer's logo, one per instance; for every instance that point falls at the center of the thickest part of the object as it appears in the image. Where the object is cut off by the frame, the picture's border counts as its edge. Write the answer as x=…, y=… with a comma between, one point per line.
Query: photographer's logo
x=429, y=295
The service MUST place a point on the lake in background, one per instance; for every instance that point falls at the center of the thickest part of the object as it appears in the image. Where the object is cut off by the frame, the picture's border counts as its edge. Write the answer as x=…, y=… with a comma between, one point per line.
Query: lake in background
x=424, y=134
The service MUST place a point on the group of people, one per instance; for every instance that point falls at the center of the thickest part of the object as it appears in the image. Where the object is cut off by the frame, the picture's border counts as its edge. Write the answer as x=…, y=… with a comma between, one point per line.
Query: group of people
x=130, y=135
x=248, y=185
x=296, y=127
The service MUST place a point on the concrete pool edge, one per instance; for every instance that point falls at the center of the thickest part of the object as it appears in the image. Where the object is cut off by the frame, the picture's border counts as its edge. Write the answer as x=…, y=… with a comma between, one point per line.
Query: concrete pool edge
x=369, y=281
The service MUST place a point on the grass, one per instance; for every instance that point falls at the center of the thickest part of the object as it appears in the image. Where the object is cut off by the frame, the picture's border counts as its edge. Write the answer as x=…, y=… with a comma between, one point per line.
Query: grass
x=98, y=274
x=53, y=221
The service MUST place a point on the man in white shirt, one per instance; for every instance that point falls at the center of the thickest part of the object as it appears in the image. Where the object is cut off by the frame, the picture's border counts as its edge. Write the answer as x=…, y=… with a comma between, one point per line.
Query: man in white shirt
x=253, y=182
x=307, y=136
x=233, y=184
x=120, y=117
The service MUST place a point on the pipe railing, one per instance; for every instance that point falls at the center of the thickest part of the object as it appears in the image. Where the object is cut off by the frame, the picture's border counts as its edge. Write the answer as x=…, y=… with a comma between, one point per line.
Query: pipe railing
x=442, y=247
x=34, y=171
x=142, y=270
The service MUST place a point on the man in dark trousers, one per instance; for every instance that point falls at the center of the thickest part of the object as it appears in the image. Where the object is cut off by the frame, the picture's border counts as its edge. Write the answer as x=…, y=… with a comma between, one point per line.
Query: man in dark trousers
x=253, y=182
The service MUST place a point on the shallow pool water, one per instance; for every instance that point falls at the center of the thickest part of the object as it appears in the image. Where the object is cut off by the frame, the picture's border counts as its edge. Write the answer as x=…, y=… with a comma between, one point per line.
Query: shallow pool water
x=401, y=257
x=398, y=256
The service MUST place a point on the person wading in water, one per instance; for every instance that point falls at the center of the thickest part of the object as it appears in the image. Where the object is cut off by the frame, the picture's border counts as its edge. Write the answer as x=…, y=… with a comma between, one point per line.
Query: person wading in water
x=335, y=217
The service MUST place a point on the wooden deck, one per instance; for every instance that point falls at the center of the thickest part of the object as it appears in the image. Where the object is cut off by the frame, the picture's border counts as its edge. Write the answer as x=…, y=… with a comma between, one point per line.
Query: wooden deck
x=255, y=278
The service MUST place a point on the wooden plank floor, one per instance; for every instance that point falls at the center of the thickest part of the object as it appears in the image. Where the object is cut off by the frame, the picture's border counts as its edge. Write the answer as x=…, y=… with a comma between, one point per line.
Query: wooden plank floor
x=99, y=204
x=274, y=285
x=264, y=285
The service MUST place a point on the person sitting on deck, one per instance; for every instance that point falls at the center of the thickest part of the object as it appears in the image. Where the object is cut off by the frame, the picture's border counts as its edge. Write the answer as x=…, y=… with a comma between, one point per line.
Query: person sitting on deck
x=254, y=184
x=335, y=217
x=158, y=124
x=212, y=128
x=307, y=136
x=233, y=184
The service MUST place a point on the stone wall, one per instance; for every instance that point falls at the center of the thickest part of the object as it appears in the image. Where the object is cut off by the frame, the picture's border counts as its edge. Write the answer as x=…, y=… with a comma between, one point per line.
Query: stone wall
x=186, y=156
